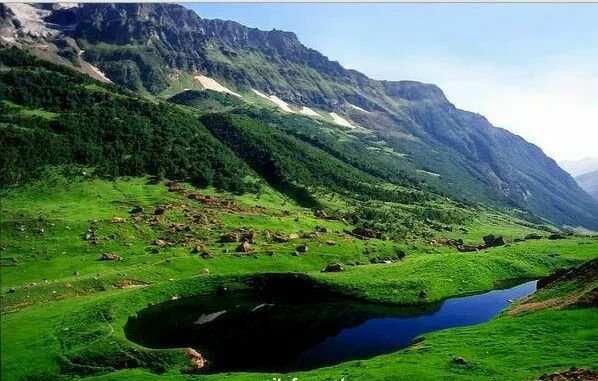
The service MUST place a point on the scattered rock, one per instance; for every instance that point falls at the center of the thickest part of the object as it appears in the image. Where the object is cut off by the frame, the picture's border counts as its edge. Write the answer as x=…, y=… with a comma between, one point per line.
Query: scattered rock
x=447, y=242
x=230, y=237
x=11, y=290
x=249, y=236
x=206, y=255
x=468, y=248
x=423, y=294
x=211, y=200
x=136, y=210
x=333, y=268
x=366, y=233
x=201, y=219
x=280, y=238
x=159, y=211
x=293, y=236
x=117, y=220
x=197, y=249
x=533, y=236
x=320, y=213
x=110, y=257
x=573, y=374
x=160, y=243
x=321, y=229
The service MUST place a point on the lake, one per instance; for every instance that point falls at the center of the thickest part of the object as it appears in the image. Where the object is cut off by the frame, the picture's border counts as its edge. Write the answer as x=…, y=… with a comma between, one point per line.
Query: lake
x=301, y=330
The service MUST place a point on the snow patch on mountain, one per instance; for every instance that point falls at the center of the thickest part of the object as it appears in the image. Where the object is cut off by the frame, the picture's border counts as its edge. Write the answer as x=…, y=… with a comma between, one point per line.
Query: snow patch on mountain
x=99, y=73
x=307, y=111
x=284, y=106
x=337, y=119
x=211, y=84
x=357, y=108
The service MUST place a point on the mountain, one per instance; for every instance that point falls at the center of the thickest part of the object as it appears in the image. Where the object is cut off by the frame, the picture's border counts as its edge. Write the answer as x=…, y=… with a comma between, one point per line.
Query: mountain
x=161, y=50
x=579, y=167
x=589, y=182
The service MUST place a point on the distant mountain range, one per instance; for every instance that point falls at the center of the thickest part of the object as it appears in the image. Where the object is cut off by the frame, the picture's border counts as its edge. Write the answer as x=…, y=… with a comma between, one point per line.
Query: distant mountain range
x=581, y=166
x=415, y=134
x=589, y=182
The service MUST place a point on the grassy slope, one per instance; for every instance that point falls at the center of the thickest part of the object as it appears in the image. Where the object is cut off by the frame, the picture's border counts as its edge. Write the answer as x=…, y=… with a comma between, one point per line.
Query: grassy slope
x=78, y=319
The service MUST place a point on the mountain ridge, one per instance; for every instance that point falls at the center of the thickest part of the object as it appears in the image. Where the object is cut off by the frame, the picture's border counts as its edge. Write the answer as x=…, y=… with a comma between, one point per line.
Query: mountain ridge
x=149, y=48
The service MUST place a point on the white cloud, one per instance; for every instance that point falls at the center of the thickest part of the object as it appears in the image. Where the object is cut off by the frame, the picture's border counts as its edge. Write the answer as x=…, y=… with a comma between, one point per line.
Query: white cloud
x=553, y=104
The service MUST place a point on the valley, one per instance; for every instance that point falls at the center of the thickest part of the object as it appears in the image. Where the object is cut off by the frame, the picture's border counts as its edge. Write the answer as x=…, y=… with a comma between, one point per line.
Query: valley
x=184, y=198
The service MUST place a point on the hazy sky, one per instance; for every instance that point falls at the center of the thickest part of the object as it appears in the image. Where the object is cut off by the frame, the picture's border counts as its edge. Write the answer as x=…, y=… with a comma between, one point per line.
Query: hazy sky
x=530, y=68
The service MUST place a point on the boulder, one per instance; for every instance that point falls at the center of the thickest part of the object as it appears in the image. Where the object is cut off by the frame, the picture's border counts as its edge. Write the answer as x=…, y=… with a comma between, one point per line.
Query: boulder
x=117, y=220
x=159, y=211
x=401, y=254
x=459, y=360
x=330, y=243
x=244, y=247
x=492, y=241
x=198, y=361
x=423, y=294
x=206, y=255
x=333, y=268
x=302, y=248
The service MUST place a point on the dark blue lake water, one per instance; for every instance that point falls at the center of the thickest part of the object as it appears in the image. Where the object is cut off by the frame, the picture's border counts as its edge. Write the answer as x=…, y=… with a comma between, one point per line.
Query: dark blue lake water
x=257, y=332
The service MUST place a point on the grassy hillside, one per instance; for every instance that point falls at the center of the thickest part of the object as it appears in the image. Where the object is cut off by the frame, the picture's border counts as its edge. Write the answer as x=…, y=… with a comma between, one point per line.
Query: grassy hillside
x=50, y=115
x=93, y=230
x=64, y=306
